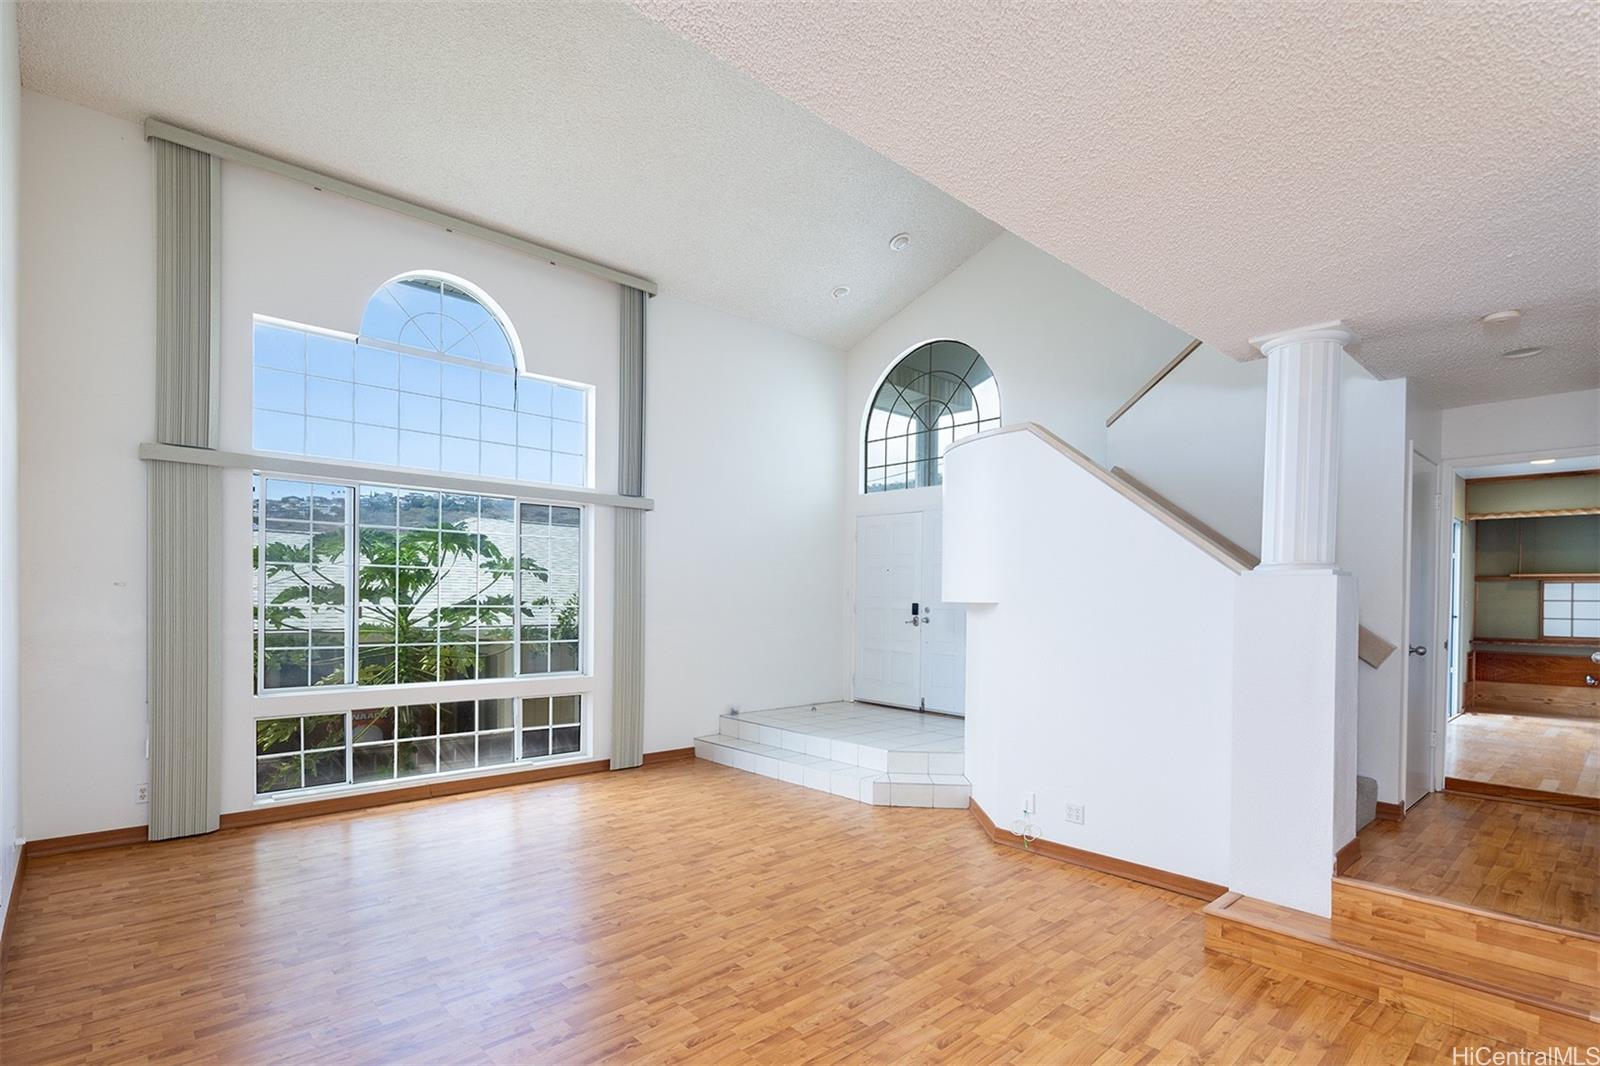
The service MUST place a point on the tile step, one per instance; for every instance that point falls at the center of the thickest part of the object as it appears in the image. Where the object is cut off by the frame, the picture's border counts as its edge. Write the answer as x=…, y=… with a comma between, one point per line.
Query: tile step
x=865, y=784
x=915, y=754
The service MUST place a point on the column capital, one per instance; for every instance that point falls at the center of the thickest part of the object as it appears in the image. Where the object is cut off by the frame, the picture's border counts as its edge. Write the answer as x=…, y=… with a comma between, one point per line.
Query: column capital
x=1333, y=332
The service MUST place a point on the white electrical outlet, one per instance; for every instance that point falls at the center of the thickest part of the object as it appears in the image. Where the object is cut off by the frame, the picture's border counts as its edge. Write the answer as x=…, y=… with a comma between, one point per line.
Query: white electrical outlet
x=1075, y=813
x=141, y=794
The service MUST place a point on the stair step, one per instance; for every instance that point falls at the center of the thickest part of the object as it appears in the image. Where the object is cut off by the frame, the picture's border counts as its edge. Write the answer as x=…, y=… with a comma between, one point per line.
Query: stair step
x=1304, y=946
x=1538, y=960
x=865, y=784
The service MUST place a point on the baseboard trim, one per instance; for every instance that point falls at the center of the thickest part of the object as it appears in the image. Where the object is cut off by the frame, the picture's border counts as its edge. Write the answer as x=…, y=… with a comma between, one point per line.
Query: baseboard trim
x=656, y=758
x=1490, y=790
x=1182, y=884
x=104, y=838
x=1391, y=812
x=11, y=910
x=1347, y=857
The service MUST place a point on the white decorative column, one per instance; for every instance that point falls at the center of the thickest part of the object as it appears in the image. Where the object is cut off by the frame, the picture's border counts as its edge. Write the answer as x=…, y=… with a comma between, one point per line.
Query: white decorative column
x=1299, y=504
x=1294, y=715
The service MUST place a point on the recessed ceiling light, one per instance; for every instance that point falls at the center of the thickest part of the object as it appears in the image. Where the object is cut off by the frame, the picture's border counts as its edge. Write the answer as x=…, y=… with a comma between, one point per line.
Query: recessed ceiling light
x=1520, y=353
x=841, y=291
x=898, y=242
x=1540, y=462
x=1500, y=316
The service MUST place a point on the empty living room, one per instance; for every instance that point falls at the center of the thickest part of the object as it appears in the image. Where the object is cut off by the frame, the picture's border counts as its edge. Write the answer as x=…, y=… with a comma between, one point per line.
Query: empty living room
x=549, y=532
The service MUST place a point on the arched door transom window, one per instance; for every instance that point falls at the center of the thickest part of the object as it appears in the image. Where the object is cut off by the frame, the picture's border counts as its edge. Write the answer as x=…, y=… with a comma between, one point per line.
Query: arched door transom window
x=935, y=395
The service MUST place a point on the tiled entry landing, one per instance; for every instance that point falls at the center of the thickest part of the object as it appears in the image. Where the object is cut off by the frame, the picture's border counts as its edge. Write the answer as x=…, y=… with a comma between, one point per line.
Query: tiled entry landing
x=875, y=755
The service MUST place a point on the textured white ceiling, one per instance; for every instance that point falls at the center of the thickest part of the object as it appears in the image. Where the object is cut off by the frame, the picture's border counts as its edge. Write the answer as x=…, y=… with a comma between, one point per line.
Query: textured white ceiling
x=1244, y=168
x=584, y=126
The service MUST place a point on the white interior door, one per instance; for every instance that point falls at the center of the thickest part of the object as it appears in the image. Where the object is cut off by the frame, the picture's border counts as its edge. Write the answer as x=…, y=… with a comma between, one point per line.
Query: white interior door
x=888, y=659
x=1423, y=538
x=944, y=630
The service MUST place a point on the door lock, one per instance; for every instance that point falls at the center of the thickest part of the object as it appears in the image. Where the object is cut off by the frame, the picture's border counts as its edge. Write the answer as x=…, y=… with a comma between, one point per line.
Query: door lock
x=1418, y=649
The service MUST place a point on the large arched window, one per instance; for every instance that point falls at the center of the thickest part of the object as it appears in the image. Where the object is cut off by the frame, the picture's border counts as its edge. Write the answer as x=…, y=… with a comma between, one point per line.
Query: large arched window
x=936, y=394
x=434, y=381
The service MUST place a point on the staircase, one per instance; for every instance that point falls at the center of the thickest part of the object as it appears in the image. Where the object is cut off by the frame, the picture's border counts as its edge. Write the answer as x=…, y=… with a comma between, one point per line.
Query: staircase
x=1503, y=977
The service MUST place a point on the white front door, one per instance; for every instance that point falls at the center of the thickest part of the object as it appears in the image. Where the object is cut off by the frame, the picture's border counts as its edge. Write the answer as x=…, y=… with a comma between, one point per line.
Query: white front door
x=1423, y=537
x=944, y=630
x=888, y=637
x=910, y=646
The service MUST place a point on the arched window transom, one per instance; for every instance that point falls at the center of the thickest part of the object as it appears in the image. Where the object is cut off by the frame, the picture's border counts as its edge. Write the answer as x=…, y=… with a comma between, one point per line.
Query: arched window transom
x=435, y=380
x=935, y=395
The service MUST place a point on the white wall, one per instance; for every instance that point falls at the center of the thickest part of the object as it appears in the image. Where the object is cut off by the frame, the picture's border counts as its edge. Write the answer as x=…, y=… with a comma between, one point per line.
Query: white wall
x=1371, y=546
x=744, y=571
x=1566, y=422
x=1072, y=693
x=88, y=371
x=87, y=379
x=1198, y=438
x=1065, y=351
x=10, y=146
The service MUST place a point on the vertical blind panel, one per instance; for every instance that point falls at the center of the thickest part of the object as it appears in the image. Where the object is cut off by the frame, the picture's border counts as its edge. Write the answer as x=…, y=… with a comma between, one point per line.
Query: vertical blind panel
x=630, y=408
x=627, y=696
x=185, y=648
x=185, y=505
x=186, y=297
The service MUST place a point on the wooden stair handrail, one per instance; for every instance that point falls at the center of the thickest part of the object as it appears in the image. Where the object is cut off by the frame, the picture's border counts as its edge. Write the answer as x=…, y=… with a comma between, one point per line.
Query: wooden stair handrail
x=1172, y=365
x=1201, y=537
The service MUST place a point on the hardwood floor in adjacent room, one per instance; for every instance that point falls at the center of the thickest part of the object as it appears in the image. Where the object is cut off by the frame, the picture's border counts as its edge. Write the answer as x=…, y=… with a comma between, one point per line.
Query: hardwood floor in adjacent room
x=686, y=911
x=1524, y=751
x=1534, y=862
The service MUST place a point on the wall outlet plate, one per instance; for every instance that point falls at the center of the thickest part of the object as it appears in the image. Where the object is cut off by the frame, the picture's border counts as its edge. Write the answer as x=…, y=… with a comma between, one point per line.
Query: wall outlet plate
x=1075, y=813
x=141, y=793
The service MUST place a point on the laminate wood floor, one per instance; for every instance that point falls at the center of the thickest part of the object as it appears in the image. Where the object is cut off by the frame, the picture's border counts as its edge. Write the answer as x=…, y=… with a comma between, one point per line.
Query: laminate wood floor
x=1545, y=753
x=681, y=912
x=1535, y=862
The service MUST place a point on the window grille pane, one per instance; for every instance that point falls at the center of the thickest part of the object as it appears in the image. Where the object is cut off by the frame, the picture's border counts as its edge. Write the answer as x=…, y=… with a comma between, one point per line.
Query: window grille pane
x=436, y=368
x=937, y=394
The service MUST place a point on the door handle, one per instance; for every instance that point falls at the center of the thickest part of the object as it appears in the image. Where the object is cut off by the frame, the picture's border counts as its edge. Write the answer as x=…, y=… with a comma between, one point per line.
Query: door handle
x=1418, y=649
x=913, y=621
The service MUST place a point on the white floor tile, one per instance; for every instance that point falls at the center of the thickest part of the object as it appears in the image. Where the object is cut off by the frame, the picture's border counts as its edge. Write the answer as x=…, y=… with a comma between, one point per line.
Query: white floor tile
x=946, y=763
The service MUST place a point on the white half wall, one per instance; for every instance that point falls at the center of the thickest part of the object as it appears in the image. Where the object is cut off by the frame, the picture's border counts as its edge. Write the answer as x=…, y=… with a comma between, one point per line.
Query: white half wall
x=743, y=566
x=1076, y=691
x=10, y=149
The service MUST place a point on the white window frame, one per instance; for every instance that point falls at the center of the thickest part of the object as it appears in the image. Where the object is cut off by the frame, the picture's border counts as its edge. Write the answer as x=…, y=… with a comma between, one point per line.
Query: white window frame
x=349, y=784
x=1571, y=599
x=414, y=692
x=514, y=372
x=349, y=697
